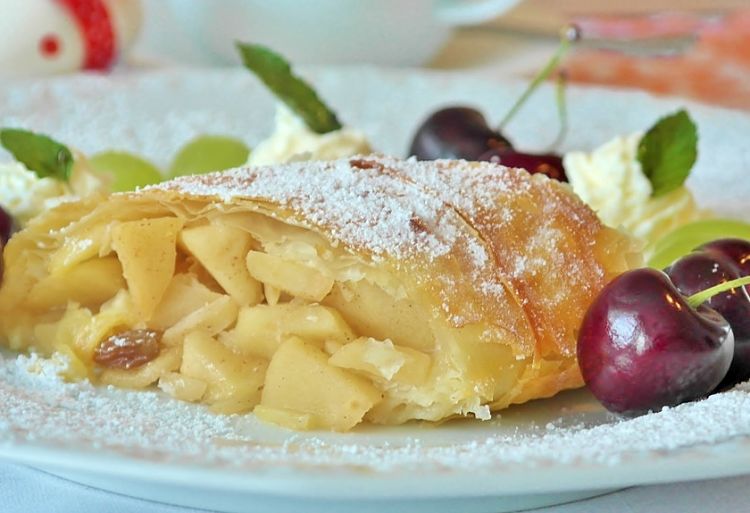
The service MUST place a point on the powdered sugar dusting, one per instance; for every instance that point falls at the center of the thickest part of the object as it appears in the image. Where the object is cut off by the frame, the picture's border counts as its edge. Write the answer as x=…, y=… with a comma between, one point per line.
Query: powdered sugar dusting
x=40, y=406
x=41, y=409
x=359, y=205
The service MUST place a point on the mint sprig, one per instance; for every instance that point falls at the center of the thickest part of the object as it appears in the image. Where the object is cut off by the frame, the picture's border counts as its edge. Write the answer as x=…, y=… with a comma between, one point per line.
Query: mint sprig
x=668, y=151
x=275, y=71
x=39, y=153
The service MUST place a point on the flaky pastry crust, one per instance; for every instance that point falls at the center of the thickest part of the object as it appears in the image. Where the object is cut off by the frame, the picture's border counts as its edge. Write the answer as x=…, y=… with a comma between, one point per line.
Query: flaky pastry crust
x=477, y=276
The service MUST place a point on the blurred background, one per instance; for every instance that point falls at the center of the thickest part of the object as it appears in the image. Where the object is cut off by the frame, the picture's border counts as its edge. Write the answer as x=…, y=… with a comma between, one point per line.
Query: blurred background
x=693, y=48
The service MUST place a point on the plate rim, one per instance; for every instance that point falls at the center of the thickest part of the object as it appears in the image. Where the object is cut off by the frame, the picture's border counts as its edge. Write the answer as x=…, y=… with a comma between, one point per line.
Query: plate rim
x=653, y=467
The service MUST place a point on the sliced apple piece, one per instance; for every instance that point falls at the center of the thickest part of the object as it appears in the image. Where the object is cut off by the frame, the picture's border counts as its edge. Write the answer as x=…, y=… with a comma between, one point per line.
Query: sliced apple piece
x=89, y=283
x=271, y=293
x=147, y=251
x=230, y=377
x=221, y=250
x=382, y=360
x=81, y=247
x=213, y=318
x=295, y=279
x=182, y=387
x=300, y=379
x=369, y=309
x=261, y=329
x=184, y=295
x=235, y=405
x=62, y=338
x=331, y=346
x=294, y=420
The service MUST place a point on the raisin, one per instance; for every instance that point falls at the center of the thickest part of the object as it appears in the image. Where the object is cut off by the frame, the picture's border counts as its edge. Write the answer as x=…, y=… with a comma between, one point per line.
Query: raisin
x=128, y=349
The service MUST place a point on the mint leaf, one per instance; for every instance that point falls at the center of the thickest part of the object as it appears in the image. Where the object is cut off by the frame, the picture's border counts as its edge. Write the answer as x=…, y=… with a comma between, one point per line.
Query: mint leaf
x=274, y=71
x=39, y=153
x=668, y=151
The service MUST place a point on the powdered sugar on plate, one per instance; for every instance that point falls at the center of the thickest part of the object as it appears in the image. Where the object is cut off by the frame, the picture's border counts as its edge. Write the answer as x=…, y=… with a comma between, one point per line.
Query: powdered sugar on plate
x=39, y=409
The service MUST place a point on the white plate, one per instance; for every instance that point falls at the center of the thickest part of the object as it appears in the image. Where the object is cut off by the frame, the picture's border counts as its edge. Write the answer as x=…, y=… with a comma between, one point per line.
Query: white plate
x=546, y=452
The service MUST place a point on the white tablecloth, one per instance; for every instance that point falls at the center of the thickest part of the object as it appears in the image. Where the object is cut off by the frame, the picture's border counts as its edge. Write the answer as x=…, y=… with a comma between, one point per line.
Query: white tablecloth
x=26, y=490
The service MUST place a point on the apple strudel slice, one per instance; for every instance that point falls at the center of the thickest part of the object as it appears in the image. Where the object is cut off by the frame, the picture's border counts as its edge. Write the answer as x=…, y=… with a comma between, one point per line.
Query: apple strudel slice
x=319, y=294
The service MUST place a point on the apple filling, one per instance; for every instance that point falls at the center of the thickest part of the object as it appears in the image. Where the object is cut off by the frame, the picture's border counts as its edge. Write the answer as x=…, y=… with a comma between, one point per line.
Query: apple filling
x=243, y=312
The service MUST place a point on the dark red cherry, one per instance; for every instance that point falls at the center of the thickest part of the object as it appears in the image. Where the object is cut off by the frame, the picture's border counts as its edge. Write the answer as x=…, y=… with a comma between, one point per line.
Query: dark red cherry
x=455, y=133
x=714, y=263
x=701, y=270
x=459, y=132
x=547, y=164
x=642, y=346
x=736, y=249
x=7, y=226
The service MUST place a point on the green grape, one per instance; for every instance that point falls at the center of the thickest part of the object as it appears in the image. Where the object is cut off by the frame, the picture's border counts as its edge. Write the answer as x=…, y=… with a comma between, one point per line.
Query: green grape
x=127, y=171
x=209, y=153
x=684, y=239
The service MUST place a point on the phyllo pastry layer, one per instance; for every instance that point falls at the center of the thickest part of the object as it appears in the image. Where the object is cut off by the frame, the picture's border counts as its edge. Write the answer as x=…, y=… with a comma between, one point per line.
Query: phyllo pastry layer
x=319, y=294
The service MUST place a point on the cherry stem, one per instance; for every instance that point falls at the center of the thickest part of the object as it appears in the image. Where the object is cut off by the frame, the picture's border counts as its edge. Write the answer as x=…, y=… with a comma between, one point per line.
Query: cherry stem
x=562, y=108
x=568, y=35
x=701, y=297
